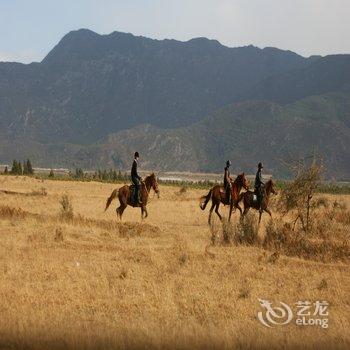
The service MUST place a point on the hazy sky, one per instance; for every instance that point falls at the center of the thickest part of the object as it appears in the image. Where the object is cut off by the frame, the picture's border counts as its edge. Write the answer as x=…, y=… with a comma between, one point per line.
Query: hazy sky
x=30, y=28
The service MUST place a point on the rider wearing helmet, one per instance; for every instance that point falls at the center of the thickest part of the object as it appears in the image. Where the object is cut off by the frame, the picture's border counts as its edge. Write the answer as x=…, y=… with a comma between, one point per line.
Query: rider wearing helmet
x=259, y=184
x=136, y=178
x=227, y=181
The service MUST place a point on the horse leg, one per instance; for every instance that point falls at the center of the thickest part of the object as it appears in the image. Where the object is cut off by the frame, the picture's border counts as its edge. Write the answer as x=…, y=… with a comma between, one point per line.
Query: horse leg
x=239, y=208
x=144, y=211
x=230, y=213
x=260, y=213
x=210, y=212
x=120, y=210
x=217, y=211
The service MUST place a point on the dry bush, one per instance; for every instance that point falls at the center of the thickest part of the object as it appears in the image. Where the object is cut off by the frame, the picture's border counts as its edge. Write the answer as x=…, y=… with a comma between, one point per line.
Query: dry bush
x=343, y=217
x=246, y=230
x=297, y=197
x=66, y=211
x=281, y=237
x=243, y=232
x=339, y=213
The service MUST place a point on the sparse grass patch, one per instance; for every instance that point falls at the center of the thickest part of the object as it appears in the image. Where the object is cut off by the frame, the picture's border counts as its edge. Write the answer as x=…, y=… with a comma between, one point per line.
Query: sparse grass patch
x=182, y=190
x=321, y=202
x=244, y=292
x=66, y=210
x=322, y=285
x=41, y=192
x=183, y=258
x=123, y=274
x=58, y=235
x=8, y=212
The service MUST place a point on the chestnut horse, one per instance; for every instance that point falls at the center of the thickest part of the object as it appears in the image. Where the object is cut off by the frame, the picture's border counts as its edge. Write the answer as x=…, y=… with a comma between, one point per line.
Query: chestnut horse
x=217, y=194
x=249, y=202
x=124, y=196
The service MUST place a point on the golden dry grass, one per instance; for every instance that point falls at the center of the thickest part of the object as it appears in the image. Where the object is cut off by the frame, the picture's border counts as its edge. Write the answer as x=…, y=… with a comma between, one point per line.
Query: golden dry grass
x=91, y=282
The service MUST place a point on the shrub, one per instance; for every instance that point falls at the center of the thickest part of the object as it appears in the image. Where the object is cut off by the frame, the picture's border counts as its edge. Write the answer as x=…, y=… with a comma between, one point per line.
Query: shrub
x=66, y=207
x=246, y=230
x=281, y=237
x=297, y=196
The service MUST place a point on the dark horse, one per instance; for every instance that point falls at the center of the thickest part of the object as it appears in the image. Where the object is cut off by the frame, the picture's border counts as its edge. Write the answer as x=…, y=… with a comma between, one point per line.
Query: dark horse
x=126, y=198
x=249, y=202
x=217, y=194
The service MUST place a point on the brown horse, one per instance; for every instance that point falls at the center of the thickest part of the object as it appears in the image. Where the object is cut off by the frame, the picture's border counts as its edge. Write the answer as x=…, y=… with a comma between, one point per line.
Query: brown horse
x=124, y=196
x=217, y=194
x=249, y=202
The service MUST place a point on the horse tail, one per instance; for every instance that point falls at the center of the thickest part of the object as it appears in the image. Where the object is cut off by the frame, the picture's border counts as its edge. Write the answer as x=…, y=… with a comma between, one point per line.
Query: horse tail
x=111, y=197
x=204, y=200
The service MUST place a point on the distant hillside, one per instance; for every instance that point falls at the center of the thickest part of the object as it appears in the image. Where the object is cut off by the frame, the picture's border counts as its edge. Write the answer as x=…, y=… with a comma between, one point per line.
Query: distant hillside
x=90, y=85
x=245, y=132
x=189, y=105
x=330, y=73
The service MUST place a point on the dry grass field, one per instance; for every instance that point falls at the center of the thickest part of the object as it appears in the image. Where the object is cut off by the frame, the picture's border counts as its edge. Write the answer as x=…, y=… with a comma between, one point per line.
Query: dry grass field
x=91, y=282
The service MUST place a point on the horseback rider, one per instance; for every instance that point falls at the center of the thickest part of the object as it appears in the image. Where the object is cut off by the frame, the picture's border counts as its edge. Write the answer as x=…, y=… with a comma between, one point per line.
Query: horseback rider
x=136, y=179
x=259, y=186
x=227, y=181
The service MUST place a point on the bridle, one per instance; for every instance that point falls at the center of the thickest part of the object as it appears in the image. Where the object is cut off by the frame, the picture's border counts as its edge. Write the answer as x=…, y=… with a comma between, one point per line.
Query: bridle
x=148, y=192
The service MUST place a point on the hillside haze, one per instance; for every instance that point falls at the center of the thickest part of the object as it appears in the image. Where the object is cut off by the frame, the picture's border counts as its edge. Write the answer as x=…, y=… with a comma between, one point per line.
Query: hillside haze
x=189, y=105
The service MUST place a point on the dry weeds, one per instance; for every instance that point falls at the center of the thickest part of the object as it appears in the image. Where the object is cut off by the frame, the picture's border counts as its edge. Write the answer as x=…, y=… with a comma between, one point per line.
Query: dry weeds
x=93, y=282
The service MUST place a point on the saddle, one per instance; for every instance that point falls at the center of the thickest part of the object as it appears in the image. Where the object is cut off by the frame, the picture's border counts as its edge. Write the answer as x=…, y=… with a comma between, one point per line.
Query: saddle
x=256, y=194
x=222, y=190
x=223, y=193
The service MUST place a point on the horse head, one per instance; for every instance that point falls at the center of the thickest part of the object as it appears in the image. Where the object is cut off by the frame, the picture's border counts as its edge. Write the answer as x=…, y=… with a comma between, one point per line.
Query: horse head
x=154, y=183
x=243, y=181
x=270, y=187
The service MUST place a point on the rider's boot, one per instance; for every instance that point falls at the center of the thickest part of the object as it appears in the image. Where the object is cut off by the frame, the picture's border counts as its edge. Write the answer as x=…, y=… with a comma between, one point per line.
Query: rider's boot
x=139, y=201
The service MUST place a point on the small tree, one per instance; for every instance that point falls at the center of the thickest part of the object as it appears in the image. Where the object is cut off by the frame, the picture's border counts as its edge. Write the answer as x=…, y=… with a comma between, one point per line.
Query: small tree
x=20, y=170
x=6, y=171
x=25, y=168
x=29, y=167
x=298, y=194
x=51, y=175
x=79, y=173
x=14, y=168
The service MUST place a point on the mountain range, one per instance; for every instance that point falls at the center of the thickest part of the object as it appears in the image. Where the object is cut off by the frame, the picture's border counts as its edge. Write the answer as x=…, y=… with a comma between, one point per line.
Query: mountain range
x=192, y=105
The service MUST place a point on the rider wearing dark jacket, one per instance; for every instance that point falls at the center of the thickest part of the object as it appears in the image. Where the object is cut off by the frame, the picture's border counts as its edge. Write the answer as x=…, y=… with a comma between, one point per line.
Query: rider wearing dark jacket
x=259, y=184
x=136, y=178
x=227, y=181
